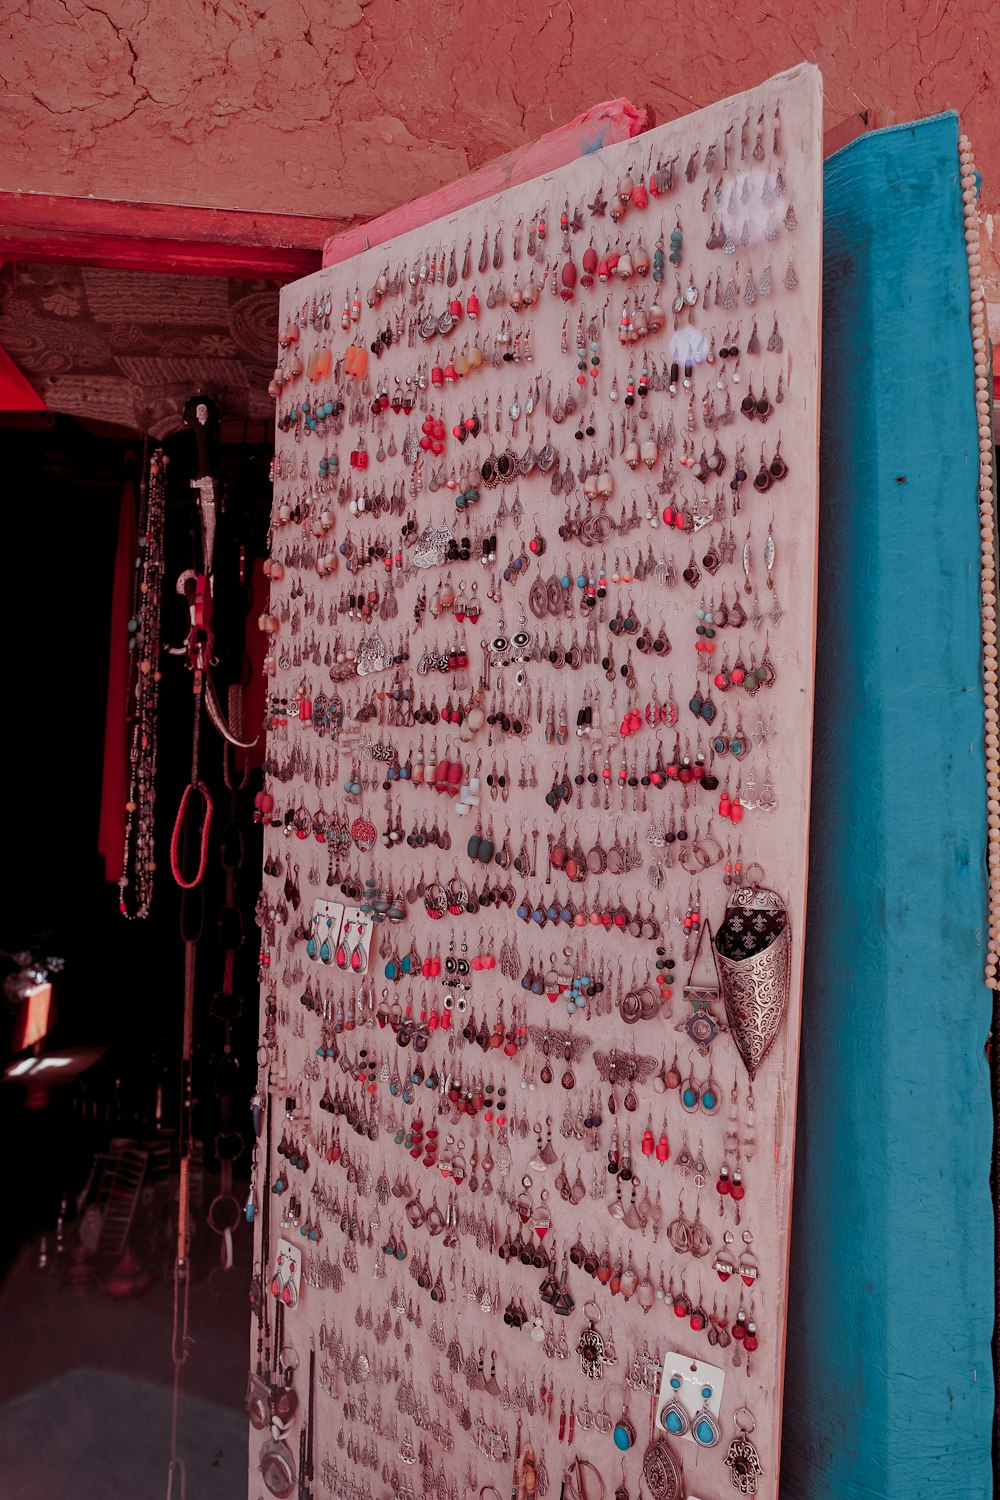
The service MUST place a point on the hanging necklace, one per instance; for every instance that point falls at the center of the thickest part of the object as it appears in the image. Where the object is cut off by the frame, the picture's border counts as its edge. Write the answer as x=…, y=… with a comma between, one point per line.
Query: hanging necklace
x=142, y=697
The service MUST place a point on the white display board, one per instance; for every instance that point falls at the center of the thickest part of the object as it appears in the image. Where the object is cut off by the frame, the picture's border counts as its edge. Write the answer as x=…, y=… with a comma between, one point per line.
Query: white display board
x=542, y=707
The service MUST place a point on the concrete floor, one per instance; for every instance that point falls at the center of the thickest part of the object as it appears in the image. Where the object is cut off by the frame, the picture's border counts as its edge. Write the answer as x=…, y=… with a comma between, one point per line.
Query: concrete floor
x=94, y=1435
x=85, y=1377
x=53, y=1331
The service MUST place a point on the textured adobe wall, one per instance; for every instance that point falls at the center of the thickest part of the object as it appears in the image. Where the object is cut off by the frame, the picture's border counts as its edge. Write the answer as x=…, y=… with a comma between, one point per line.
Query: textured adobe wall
x=346, y=108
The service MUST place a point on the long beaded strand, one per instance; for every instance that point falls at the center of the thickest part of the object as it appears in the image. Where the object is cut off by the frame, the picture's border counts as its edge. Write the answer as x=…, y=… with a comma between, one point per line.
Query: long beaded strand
x=143, y=693
x=988, y=545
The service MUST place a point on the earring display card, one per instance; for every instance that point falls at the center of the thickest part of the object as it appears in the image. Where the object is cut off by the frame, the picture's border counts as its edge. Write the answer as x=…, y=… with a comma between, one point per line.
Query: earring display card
x=324, y=931
x=541, y=633
x=286, y=1280
x=690, y=1386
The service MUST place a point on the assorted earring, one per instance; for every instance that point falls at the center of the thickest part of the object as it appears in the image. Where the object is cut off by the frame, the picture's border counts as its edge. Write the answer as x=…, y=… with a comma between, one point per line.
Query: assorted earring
x=448, y=721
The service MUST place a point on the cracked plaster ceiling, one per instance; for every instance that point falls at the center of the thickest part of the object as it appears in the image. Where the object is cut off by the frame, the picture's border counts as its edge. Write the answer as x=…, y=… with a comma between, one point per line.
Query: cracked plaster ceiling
x=345, y=108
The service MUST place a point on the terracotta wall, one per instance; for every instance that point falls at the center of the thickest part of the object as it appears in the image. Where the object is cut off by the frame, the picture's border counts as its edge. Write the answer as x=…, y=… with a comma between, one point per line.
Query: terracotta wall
x=344, y=108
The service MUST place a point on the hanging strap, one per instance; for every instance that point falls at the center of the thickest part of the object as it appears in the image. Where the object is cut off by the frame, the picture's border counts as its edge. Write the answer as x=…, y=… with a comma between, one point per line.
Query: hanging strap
x=175, y=841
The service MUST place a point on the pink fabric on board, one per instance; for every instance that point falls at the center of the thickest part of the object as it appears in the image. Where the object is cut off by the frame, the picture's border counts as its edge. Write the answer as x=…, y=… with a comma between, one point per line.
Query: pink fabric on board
x=601, y=125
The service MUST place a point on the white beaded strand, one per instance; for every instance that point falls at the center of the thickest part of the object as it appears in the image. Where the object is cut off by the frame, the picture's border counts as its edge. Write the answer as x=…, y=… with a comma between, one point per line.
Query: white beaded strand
x=987, y=534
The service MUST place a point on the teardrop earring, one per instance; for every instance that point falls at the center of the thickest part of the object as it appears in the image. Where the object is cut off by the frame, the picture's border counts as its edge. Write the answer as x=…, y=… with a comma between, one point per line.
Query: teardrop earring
x=340, y=956
x=704, y=1428
x=690, y=1095
x=674, y=1418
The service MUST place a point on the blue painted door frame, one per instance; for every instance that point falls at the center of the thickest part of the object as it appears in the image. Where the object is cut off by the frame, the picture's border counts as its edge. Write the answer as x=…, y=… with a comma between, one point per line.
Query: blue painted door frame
x=889, y=1381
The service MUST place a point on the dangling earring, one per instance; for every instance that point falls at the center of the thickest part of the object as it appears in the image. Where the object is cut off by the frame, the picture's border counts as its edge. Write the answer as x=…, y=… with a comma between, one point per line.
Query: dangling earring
x=704, y=1428
x=743, y=1460
x=673, y=1418
x=359, y=959
x=340, y=957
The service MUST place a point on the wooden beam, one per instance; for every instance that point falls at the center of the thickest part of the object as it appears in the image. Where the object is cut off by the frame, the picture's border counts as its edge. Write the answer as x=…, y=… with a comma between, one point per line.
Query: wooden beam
x=842, y=134
x=159, y=237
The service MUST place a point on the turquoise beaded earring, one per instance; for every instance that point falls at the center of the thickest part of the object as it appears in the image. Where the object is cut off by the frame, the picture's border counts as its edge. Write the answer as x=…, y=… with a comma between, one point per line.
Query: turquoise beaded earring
x=674, y=1418
x=704, y=1428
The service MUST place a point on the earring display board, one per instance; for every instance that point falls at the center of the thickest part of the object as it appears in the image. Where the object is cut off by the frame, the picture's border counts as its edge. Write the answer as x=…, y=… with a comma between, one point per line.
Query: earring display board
x=543, y=576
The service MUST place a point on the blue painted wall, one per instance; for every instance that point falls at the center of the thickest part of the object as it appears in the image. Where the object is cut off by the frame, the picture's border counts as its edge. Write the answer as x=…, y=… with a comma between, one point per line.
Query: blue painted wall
x=889, y=1388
